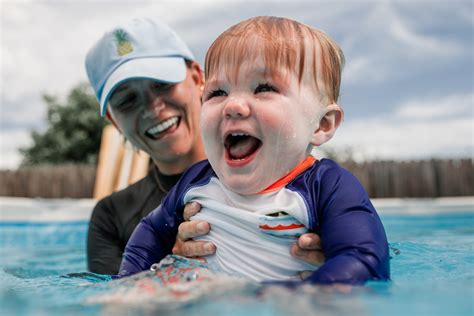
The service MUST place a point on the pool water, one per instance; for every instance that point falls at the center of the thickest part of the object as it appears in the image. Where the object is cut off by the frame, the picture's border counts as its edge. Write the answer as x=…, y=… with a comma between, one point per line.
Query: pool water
x=432, y=274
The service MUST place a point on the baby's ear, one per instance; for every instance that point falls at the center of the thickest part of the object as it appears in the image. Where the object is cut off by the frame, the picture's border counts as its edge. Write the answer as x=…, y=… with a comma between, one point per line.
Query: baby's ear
x=328, y=124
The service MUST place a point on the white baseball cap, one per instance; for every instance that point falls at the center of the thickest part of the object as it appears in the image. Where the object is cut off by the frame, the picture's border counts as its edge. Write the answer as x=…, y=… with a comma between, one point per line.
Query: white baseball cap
x=140, y=49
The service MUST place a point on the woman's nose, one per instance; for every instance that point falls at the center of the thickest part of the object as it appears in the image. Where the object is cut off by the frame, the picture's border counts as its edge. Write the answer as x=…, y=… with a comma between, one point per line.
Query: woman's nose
x=236, y=107
x=154, y=105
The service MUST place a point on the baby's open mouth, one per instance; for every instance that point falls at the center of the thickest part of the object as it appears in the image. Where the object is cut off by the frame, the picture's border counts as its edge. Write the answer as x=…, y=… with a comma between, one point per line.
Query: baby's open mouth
x=162, y=128
x=240, y=145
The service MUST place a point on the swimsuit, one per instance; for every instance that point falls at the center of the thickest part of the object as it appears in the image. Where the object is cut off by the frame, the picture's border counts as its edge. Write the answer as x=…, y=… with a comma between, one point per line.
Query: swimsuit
x=253, y=233
x=115, y=217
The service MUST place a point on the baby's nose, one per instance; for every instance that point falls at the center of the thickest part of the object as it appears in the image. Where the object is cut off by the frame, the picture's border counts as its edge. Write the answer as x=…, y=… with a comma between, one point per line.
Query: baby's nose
x=236, y=107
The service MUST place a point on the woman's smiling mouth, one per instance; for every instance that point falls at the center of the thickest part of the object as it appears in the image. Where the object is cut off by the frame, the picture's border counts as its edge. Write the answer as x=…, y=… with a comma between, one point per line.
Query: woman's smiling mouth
x=161, y=129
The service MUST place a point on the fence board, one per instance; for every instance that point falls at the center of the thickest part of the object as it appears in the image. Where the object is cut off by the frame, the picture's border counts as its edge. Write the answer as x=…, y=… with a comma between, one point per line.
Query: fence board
x=421, y=178
x=381, y=179
x=62, y=181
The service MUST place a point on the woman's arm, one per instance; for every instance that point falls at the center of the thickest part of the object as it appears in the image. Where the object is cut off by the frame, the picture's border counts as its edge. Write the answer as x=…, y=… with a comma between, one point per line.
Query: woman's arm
x=104, y=248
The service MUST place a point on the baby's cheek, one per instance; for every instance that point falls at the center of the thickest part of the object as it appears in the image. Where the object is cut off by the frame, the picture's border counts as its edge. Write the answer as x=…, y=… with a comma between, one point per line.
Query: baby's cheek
x=275, y=122
x=210, y=131
x=283, y=127
x=206, y=121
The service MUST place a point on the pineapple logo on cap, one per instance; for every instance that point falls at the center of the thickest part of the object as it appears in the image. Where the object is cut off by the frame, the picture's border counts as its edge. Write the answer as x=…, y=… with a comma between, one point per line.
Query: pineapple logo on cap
x=124, y=46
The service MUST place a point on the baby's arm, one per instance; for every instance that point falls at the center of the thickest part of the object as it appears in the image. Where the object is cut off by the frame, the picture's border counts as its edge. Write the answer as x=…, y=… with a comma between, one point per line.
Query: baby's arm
x=155, y=235
x=353, y=237
x=150, y=242
x=356, y=249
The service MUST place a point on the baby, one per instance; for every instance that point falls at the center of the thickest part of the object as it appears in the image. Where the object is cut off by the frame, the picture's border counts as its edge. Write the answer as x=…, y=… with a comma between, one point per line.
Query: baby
x=270, y=97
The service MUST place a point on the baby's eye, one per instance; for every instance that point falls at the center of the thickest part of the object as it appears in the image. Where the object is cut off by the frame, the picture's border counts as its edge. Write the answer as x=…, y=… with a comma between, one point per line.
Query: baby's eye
x=265, y=87
x=216, y=93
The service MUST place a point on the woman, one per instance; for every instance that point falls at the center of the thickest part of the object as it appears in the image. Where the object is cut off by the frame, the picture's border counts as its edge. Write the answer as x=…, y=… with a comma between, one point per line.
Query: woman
x=149, y=86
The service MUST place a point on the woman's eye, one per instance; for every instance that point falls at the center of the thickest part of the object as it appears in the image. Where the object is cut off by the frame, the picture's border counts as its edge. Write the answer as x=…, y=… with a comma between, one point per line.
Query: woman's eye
x=159, y=86
x=265, y=87
x=126, y=103
x=216, y=93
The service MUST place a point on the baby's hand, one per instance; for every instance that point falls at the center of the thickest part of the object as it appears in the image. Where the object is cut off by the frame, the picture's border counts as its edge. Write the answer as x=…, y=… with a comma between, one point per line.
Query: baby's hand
x=184, y=245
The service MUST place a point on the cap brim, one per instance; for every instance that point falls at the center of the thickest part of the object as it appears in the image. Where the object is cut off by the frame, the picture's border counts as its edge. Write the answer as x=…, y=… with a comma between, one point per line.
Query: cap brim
x=165, y=69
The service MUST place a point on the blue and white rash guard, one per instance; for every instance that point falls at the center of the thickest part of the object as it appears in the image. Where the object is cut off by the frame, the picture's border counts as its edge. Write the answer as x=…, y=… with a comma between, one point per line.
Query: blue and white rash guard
x=253, y=233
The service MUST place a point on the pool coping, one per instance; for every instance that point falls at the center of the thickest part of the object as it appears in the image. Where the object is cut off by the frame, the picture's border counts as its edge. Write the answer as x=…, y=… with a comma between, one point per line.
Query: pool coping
x=415, y=206
x=14, y=209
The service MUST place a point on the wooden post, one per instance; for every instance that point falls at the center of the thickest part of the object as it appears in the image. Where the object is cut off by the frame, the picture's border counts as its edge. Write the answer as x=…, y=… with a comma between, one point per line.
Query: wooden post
x=140, y=165
x=118, y=164
x=109, y=157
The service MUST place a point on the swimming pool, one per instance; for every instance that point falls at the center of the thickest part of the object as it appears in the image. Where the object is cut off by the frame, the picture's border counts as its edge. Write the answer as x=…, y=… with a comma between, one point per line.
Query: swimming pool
x=432, y=267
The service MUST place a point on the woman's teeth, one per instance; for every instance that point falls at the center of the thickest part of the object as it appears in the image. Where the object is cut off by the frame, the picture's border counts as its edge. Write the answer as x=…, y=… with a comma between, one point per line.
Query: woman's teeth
x=161, y=127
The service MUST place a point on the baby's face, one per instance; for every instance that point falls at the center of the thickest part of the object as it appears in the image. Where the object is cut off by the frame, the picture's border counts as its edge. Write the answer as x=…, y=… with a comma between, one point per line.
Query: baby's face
x=258, y=126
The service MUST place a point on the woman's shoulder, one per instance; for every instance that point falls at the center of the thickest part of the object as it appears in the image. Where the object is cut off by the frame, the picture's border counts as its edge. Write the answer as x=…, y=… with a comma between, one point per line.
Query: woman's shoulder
x=134, y=192
x=200, y=171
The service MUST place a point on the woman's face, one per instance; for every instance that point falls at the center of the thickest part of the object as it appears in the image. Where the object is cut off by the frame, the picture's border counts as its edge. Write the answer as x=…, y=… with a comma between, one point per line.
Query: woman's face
x=162, y=119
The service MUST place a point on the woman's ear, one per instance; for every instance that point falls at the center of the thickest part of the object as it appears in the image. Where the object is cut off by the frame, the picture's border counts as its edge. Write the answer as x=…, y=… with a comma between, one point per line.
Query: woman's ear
x=328, y=124
x=197, y=74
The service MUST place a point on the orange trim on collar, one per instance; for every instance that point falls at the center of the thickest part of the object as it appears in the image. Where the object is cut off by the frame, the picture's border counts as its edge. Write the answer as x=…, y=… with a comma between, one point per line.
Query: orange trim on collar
x=302, y=166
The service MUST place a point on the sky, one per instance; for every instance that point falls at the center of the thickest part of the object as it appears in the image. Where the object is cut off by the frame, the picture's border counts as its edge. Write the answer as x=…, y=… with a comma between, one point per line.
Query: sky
x=407, y=86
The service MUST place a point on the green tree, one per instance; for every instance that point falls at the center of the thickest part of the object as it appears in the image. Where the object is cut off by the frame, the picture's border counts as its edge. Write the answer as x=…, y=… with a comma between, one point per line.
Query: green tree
x=73, y=131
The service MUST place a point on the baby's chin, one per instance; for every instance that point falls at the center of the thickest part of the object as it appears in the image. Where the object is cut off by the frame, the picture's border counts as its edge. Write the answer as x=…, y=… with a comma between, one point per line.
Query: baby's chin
x=242, y=188
x=244, y=183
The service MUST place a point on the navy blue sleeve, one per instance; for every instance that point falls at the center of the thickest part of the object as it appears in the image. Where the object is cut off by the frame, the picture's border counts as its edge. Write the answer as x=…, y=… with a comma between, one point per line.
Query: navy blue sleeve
x=155, y=235
x=352, y=235
x=153, y=238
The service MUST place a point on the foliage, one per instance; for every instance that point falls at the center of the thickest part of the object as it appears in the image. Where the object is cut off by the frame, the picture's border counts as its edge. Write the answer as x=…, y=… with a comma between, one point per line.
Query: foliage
x=73, y=131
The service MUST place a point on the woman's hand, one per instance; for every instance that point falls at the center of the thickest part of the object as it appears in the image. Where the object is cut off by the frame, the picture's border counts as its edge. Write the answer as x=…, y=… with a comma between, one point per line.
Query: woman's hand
x=184, y=245
x=307, y=248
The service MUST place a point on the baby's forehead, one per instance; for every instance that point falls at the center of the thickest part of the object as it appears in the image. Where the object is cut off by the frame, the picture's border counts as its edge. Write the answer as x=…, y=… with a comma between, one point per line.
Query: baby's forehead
x=255, y=67
x=309, y=53
x=276, y=59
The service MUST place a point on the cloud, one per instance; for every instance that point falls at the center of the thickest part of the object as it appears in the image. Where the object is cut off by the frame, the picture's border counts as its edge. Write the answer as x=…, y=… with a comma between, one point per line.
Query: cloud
x=384, y=42
x=10, y=141
x=361, y=68
x=25, y=111
x=398, y=53
x=437, y=108
x=423, y=44
x=417, y=129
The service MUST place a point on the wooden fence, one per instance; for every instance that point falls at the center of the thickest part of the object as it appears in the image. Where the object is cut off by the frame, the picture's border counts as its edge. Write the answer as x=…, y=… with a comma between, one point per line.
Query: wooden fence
x=61, y=181
x=426, y=178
